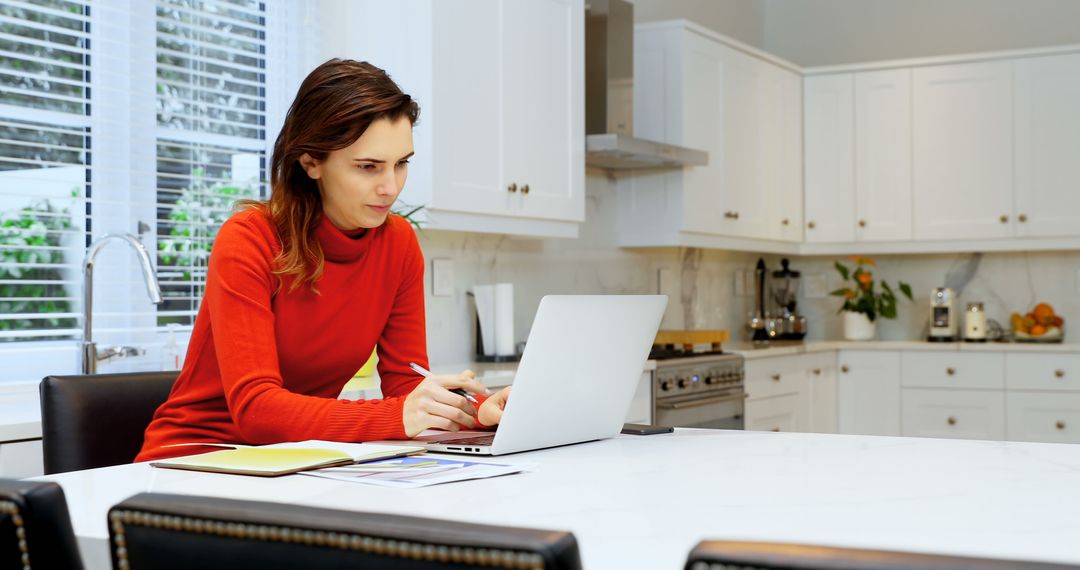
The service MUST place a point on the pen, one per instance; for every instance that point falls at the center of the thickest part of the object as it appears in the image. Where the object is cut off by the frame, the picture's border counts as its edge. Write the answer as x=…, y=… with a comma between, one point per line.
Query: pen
x=426, y=373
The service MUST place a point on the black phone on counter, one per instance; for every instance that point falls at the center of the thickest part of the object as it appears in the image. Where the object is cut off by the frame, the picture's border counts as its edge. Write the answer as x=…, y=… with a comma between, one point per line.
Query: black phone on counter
x=642, y=429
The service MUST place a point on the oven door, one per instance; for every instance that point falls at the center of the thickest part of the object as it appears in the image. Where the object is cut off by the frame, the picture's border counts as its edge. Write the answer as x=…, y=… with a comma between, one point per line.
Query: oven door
x=718, y=410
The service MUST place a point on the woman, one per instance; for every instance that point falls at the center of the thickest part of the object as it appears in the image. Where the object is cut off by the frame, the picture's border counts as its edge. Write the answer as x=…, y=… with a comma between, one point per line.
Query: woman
x=300, y=288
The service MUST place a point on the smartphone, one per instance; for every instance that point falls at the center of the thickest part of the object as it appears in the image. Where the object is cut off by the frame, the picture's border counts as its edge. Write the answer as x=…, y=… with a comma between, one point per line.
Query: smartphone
x=642, y=429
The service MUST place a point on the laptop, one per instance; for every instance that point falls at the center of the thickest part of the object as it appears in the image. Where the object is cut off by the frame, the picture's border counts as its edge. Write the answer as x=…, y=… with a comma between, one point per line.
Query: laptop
x=576, y=378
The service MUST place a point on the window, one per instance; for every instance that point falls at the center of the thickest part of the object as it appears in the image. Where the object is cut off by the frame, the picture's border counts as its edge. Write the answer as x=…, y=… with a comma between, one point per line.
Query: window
x=127, y=116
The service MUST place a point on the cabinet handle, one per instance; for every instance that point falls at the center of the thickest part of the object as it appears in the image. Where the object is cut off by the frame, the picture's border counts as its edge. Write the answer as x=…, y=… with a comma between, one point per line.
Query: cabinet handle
x=512, y=187
x=731, y=215
x=950, y=371
x=817, y=372
x=1060, y=424
x=776, y=377
x=951, y=420
x=1059, y=373
x=775, y=429
x=785, y=222
x=525, y=189
x=1004, y=219
x=811, y=224
x=1022, y=218
x=844, y=369
x=862, y=223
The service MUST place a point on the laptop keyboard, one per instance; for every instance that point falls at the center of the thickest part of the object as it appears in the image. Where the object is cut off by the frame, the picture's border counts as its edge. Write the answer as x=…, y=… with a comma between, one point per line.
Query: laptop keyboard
x=478, y=440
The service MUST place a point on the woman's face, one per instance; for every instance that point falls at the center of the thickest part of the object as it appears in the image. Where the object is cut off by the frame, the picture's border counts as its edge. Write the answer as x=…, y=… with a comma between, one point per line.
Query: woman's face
x=360, y=182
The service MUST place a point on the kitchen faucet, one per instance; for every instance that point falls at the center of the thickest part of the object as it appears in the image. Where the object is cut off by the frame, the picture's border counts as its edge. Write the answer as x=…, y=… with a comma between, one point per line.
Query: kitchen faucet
x=89, y=354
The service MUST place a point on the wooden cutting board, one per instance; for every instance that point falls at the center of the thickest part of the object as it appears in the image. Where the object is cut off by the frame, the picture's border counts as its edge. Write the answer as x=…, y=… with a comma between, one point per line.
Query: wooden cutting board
x=690, y=338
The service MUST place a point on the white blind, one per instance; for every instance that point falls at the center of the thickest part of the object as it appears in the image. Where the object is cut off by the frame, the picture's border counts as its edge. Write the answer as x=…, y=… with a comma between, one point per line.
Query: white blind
x=44, y=160
x=210, y=137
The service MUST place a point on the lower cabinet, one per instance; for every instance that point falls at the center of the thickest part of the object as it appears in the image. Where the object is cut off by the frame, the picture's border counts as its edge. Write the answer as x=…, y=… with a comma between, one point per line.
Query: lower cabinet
x=792, y=393
x=868, y=392
x=958, y=414
x=775, y=413
x=1042, y=416
x=21, y=459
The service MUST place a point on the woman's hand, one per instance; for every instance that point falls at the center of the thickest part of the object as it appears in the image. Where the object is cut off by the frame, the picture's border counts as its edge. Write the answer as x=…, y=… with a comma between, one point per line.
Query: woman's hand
x=491, y=410
x=433, y=405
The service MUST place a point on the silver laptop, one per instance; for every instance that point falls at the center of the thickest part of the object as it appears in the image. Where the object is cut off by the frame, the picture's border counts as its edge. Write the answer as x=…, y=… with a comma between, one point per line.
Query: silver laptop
x=576, y=379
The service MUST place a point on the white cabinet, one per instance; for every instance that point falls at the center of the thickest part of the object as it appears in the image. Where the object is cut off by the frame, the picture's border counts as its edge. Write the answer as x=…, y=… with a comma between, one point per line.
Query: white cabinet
x=960, y=414
x=949, y=369
x=695, y=89
x=823, y=392
x=1042, y=416
x=21, y=459
x=868, y=392
x=962, y=141
x=500, y=143
x=775, y=413
x=829, y=154
x=883, y=155
x=1047, y=144
x=1040, y=371
x=791, y=393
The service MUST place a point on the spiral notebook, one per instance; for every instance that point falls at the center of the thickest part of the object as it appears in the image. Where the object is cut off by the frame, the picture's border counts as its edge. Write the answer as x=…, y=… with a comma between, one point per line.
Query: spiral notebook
x=284, y=458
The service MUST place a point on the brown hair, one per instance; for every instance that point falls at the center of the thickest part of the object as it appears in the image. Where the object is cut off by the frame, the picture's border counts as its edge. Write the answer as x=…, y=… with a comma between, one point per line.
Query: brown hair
x=334, y=106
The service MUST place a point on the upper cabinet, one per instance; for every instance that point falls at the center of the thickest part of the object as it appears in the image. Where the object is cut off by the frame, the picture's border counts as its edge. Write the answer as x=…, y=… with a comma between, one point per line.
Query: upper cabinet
x=697, y=89
x=962, y=141
x=829, y=104
x=883, y=155
x=500, y=145
x=1046, y=93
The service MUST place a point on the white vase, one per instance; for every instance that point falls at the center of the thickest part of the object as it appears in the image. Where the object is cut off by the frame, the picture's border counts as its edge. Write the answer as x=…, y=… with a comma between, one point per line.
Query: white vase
x=857, y=326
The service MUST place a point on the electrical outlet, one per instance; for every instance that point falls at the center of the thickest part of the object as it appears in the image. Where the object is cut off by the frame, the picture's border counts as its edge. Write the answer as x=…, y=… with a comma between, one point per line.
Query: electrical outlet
x=442, y=277
x=815, y=287
x=740, y=282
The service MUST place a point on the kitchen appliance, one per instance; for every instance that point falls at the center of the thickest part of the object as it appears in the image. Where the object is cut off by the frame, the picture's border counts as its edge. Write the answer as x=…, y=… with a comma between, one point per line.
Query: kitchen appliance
x=943, y=325
x=758, y=323
x=699, y=390
x=975, y=326
x=787, y=324
x=609, y=95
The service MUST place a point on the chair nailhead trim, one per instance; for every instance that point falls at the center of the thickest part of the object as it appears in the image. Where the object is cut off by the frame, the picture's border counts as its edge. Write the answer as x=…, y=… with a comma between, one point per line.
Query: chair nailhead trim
x=11, y=508
x=509, y=559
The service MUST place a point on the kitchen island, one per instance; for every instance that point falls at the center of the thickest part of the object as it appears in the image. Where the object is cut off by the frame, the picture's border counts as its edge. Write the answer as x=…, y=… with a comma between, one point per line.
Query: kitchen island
x=644, y=501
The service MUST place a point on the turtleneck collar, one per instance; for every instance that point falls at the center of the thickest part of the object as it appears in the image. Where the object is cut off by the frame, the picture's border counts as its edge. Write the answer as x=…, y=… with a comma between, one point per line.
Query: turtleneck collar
x=339, y=245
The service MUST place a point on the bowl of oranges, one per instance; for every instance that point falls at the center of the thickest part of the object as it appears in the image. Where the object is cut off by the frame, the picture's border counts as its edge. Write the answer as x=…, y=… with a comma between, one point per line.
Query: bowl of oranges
x=1038, y=325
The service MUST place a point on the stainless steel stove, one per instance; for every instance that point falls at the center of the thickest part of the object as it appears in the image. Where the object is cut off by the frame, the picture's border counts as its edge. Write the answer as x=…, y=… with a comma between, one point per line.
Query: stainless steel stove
x=702, y=390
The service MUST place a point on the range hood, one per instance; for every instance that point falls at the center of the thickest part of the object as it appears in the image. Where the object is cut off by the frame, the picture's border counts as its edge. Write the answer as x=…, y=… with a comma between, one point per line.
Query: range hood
x=609, y=90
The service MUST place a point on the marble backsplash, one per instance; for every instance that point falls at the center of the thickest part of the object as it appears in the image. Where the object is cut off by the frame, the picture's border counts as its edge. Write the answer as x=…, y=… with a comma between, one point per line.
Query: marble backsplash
x=701, y=283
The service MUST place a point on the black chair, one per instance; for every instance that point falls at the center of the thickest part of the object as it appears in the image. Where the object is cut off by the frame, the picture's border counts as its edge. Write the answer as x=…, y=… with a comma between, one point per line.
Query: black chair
x=172, y=532
x=722, y=554
x=98, y=420
x=35, y=528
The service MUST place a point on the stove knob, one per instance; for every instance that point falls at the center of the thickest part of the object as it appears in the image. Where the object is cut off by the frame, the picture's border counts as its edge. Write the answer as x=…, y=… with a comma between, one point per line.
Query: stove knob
x=683, y=382
x=665, y=385
x=710, y=379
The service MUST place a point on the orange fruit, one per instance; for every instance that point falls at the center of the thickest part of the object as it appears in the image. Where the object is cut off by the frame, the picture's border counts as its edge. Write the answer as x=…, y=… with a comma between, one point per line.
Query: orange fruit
x=1037, y=330
x=1042, y=311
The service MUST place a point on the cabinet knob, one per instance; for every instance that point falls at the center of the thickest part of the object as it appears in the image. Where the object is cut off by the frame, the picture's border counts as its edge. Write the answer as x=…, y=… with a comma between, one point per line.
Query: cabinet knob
x=785, y=222
x=777, y=428
x=844, y=369
x=731, y=215
x=811, y=224
x=776, y=377
x=951, y=420
x=1060, y=424
x=862, y=223
x=1004, y=219
x=525, y=189
x=817, y=372
x=1059, y=373
x=1022, y=218
x=950, y=371
x=512, y=187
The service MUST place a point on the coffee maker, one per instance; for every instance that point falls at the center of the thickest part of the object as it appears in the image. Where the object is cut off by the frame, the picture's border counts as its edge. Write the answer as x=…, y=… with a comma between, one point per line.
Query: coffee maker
x=787, y=324
x=943, y=317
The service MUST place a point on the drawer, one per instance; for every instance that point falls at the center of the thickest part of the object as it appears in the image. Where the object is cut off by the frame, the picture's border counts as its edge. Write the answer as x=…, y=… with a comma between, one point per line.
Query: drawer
x=1038, y=416
x=960, y=414
x=952, y=370
x=766, y=377
x=1042, y=371
x=778, y=413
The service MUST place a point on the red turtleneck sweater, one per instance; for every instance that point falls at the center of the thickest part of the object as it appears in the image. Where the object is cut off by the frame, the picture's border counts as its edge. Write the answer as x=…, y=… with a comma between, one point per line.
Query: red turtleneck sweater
x=265, y=366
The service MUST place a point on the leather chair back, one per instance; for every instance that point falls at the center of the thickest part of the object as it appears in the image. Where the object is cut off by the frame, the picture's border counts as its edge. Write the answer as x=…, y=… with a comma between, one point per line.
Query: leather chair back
x=35, y=527
x=724, y=555
x=168, y=532
x=98, y=420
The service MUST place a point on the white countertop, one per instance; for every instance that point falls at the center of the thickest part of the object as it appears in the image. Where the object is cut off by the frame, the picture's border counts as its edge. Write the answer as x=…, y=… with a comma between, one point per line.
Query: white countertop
x=786, y=348
x=643, y=502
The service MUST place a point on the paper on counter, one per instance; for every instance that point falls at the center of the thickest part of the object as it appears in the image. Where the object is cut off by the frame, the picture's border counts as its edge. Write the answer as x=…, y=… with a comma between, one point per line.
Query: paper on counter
x=420, y=471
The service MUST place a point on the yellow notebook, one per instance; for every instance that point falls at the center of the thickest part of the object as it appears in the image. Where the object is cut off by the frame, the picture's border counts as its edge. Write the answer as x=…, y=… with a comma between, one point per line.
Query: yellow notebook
x=285, y=458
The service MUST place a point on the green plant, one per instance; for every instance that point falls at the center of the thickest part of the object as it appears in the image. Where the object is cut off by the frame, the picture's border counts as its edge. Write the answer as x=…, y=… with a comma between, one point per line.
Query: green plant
x=861, y=297
x=30, y=253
